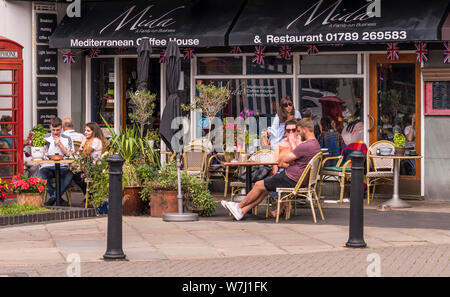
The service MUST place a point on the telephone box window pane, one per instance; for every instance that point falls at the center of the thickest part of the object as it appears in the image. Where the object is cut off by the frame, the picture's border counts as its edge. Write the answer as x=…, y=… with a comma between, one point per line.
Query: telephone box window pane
x=6, y=75
x=5, y=89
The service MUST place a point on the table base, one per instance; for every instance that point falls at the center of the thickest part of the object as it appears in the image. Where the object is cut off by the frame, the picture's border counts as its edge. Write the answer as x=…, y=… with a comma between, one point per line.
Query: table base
x=397, y=203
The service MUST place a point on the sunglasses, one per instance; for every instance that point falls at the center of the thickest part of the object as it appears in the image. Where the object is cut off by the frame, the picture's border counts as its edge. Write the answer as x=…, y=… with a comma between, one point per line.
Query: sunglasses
x=291, y=130
x=287, y=104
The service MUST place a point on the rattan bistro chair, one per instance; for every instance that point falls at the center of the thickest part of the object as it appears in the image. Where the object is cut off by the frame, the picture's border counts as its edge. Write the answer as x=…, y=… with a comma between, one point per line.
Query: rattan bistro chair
x=379, y=171
x=194, y=157
x=310, y=177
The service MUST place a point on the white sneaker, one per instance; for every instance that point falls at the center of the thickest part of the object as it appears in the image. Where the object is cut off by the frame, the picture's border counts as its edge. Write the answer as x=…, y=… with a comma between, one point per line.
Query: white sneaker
x=235, y=210
x=224, y=204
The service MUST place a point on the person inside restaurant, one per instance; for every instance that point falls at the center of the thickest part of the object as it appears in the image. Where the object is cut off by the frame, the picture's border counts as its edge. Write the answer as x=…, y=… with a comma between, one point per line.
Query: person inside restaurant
x=56, y=144
x=298, y=159
x=6, y=143
x=329, y=137
x=276, y=130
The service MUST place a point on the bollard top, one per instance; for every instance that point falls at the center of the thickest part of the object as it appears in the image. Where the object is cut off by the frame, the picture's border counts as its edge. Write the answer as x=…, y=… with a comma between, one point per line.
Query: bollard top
x=116, y=158
x=357, y=155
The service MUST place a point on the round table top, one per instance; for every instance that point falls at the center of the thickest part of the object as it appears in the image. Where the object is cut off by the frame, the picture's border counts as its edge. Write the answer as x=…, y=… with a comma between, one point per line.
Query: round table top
x=248, y=163
x=396, y=157
x=64, y=161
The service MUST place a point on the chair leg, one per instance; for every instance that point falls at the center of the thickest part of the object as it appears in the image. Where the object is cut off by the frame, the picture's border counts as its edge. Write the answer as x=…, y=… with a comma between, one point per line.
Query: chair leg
x=373, y=192
x=320, y=185
x=318, y=205
x=368, y=192
x=69, y=197
x=341, y=194
x=278, y=207
x=312, y=208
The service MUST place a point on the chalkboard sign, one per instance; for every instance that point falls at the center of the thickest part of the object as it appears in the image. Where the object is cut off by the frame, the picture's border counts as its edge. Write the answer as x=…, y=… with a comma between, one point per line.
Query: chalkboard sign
x=47, y=91
x=45, y=115
x=437, y=98
x=47, y=60
x=45, y=26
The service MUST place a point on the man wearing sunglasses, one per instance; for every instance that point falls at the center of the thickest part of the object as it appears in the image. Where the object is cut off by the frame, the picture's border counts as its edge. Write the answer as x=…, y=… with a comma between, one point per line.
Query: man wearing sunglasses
x=297, y=159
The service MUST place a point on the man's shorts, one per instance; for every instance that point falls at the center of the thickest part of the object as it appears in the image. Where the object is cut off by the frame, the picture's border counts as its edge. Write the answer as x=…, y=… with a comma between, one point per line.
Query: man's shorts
x=279, y=180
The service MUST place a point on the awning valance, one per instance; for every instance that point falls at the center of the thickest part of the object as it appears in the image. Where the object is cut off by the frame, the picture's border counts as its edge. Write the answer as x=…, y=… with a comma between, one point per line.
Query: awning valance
x=337, y=21
x=197, y=23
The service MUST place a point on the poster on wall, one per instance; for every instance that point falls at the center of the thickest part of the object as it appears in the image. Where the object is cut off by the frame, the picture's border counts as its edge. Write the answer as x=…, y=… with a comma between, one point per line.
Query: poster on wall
x=45, y=115
x=47, y=91
x=47, y=60
x=45, y=26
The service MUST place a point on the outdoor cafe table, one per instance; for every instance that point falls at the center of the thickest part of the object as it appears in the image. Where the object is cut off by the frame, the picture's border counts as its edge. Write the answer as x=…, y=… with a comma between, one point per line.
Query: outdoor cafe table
x=57, y=174
x=396, y=202
x=248, y=171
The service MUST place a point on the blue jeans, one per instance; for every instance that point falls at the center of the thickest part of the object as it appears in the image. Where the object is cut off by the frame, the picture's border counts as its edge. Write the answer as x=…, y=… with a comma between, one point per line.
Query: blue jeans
x=49, y=173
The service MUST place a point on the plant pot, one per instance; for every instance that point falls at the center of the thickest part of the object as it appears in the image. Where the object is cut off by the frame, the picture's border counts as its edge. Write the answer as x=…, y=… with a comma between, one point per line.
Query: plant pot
x=163, y=202
x=131, y=201
x=37, y=152
x=30, y=199
x=399, y=151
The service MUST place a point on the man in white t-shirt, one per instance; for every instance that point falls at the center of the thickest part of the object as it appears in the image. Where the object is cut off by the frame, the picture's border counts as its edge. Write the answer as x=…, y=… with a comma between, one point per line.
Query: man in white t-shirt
x=67, y=125
x=56, y=143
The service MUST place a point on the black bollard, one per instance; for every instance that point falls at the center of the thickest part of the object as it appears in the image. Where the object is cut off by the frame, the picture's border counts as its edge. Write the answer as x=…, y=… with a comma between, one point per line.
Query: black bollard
x=114, y=241
x=356, y=236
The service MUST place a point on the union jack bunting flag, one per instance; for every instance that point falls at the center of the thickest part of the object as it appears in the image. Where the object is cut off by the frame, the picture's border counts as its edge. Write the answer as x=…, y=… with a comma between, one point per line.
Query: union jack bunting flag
x=312, y=50
x=392, y=51
x=236, y=50
x=68, y=58
x=162, y=57
x=94, y=53
x=189, y=53
x=447, y=52
x=285, y=52
x=421, y=52
x=337, y=44
x=259, y=55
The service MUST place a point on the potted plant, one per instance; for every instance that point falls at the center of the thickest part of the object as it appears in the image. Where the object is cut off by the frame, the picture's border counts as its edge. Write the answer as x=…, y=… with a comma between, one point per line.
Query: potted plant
x=153, y=137
x=38, y=142
x=210, y=101
x=144, y=102
x=399, y=142
x=28, y=190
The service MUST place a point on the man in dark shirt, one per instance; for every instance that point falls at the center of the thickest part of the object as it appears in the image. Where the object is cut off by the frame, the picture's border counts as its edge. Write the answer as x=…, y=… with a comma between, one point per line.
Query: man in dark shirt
x=298, y=159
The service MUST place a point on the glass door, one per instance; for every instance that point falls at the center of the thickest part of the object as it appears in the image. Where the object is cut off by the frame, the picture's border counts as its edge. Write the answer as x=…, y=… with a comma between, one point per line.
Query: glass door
x=395, y=107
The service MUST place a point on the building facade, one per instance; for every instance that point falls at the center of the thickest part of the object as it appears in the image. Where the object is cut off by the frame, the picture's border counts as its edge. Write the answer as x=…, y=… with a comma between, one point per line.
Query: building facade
x=346, y=60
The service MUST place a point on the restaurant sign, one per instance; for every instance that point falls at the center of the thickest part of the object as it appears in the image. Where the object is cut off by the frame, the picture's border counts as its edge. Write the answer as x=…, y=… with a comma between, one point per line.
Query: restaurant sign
x=128, y=23
x=336, y=21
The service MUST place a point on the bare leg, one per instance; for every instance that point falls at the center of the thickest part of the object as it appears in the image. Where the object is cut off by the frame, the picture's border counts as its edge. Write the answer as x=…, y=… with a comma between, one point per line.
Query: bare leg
x=254, y=197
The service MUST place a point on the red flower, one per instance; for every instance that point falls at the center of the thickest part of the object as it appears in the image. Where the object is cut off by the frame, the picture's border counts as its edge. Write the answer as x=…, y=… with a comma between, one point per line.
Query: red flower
x=40, y=188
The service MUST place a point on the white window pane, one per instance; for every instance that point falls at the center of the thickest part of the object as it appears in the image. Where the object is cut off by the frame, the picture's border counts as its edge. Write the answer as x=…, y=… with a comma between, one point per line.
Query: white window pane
x=6, y=75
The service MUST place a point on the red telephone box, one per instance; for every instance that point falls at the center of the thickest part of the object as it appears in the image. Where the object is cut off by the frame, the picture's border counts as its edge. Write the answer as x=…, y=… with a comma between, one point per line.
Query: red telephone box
x=11, y=109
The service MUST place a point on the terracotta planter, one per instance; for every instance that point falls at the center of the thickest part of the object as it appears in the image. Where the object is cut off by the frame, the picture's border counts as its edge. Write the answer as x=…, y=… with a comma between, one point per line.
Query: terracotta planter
x=30, y=199
x=163, y=202
x=399, y=151
x=131, y=201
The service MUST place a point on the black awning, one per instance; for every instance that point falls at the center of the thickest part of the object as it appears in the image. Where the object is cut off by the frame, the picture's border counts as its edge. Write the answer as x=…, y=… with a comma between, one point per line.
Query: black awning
x=278, y=22
x=193, y=23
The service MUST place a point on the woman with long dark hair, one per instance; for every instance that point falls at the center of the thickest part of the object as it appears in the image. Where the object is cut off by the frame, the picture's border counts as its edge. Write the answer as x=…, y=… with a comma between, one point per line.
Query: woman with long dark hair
x=92, y=145
x=285, y=111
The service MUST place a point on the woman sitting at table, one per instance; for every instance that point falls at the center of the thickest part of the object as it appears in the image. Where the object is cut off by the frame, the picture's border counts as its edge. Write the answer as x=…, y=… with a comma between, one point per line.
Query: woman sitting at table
x=93, y=145
x=285, y=112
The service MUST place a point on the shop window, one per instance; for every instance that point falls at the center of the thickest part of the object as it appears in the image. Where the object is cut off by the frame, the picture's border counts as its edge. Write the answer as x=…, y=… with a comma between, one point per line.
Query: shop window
x=103, y=91
x=258, y=98
x=328, y=64
x=336, y=105
x=219, y=65
x=272, y=65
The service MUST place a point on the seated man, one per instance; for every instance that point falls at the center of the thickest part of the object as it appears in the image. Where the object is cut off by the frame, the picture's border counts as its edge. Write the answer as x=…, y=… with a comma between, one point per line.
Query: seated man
x=69, y=131
x=298, y=159
x=56, y=143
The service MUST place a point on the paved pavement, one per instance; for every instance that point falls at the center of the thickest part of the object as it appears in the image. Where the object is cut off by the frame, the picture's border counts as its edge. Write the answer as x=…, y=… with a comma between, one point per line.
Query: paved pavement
x=408, y=242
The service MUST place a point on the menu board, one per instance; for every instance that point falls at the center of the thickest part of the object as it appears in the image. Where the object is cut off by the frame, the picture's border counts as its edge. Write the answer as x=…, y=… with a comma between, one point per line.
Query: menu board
x=47, y=60
x=45, y=115
x=45, y=26
x=47, y=91
x=441, y=95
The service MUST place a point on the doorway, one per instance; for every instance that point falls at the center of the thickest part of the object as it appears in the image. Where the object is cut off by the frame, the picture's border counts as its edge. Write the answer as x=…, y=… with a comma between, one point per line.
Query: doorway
x=129, y=84
x=394, y=107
